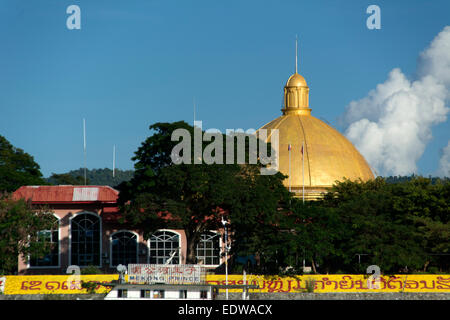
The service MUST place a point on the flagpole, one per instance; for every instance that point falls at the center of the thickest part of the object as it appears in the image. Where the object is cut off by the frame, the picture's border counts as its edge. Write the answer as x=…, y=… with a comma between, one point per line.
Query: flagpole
x=303, y=170
x=289, y=149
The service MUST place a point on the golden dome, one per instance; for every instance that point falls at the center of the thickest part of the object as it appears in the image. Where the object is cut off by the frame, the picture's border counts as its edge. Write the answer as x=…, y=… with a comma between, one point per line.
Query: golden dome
x=296, y=80
x=328, y=155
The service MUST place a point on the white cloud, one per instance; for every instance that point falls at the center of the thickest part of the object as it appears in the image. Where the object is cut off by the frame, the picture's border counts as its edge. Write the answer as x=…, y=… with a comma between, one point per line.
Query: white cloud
x=444, y=163
x=391, y=126
x=435, y=60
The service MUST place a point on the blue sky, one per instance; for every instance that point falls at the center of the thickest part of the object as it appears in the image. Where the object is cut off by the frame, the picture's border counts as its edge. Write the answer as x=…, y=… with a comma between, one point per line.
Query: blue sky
x=134, y=63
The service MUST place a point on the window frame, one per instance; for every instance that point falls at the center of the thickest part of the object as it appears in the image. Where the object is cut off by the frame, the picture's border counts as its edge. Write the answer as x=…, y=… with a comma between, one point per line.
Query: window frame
x=111, y=265
x=100, y=238
x=28, y=258
x=182, y=294
x=179, y=245
x=217, y=234
x=122, y=293
x=146, y=294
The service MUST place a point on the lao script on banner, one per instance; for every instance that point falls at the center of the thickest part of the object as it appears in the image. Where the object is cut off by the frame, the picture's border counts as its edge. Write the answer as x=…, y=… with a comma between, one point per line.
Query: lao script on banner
x=170, y=274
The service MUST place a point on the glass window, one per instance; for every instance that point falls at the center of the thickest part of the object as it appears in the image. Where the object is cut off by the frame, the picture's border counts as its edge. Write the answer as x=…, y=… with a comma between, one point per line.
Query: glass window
x=85, y=240
x=183, y=294
x=123, y=248
x=163, y=246
x=122, y=293
x=145, y=293
x=51, y=237
x=208, y=249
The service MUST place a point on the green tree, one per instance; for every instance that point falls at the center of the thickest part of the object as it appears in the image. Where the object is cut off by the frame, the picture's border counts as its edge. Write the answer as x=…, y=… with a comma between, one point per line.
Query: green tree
x=66, y=179
x=98, y=177
x=427, y=202
x=257, y=219
x=396, y=226
x=312, y=232
x=19, y=232
x=401, y=227
x=17, y=168
x=195, y=197
x=435, y=240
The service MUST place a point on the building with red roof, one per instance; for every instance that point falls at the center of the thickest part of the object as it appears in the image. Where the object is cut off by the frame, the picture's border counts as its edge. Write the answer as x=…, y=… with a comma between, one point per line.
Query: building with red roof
x=89, y=233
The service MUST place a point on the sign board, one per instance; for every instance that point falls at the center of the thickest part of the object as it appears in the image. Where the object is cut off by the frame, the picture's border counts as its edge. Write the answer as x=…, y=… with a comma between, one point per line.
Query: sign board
x=169, y=274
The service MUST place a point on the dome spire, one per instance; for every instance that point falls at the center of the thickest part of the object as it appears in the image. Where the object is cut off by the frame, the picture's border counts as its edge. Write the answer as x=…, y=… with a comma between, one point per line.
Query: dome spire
x=296, y=91
x=296, y=54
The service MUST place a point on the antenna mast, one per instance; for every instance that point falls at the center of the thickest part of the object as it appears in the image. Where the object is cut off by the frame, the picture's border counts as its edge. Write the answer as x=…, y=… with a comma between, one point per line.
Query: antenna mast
x=84, y=145
x=114, y=160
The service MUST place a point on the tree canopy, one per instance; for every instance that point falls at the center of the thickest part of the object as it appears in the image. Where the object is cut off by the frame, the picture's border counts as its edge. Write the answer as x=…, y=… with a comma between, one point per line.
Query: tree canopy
x=401, y=227
x=17, y=168
x=195, y=197
x=98, y=177
x=66, y=179
x=19, y=227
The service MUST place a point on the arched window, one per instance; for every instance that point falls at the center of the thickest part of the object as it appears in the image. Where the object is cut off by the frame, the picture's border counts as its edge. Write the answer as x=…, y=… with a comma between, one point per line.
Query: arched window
x=85, y=240
x=124, y=246
x=51, y=237
x=163, y=246
x=208, y=249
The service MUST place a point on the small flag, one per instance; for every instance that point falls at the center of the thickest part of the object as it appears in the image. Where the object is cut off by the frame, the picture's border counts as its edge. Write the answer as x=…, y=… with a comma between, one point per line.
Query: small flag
x=289, y=147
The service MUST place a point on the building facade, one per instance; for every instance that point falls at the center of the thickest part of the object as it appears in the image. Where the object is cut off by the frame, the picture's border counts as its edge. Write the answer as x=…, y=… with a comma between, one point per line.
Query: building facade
x=88, y=233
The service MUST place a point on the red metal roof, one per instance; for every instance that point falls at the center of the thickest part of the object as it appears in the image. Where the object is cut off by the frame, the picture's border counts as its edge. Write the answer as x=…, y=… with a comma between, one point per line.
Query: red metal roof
x=67, y=194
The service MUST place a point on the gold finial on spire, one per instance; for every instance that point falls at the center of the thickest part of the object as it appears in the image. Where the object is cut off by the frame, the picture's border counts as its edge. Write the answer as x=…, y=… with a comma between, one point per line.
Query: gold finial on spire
x=296, y=91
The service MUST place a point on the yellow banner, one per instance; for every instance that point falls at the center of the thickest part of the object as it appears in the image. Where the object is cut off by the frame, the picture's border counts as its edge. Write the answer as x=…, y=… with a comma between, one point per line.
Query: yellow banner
x=340, y=283
x=42, y=284
x=61, y=284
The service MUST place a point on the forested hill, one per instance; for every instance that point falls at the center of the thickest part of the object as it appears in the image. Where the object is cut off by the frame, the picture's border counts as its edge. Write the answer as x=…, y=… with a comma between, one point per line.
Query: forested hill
x=104, y=177
x=101, y=177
